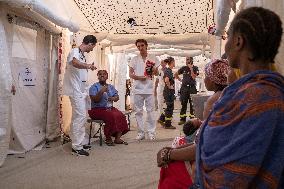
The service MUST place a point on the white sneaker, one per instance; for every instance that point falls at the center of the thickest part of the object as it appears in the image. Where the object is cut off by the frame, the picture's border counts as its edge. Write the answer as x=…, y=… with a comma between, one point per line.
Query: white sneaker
x=140, y=137
x=152, y=137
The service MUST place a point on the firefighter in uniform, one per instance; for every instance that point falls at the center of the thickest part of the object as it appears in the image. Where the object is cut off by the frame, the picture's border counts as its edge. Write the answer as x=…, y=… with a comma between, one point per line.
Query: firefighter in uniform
x=169, y=94
x=188, y=87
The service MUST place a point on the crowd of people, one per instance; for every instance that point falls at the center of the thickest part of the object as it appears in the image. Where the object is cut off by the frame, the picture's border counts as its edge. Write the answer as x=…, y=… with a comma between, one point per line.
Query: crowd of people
x=239, y=142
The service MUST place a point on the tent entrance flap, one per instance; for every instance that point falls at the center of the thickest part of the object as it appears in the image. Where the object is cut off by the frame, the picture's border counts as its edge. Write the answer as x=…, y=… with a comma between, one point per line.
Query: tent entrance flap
x=29, y=64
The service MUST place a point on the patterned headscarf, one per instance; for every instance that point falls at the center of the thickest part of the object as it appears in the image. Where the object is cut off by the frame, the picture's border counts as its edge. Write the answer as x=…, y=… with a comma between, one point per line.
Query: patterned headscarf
x=217, y=70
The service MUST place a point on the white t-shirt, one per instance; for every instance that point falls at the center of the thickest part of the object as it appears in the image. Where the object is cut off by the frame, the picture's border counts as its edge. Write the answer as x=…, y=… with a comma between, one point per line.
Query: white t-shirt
x=137, y=63
x=75, y=82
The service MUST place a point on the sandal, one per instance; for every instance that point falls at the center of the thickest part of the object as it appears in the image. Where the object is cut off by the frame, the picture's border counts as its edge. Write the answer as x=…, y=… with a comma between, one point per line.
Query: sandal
x=121, y=142
x=109, y=143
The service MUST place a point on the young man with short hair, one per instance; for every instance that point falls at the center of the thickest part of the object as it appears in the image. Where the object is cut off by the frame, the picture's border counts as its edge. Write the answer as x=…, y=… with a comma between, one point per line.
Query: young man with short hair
x=142, y=68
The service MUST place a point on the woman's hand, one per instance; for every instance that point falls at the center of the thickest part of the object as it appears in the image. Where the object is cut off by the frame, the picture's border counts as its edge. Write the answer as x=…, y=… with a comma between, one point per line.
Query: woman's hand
x=163, y=157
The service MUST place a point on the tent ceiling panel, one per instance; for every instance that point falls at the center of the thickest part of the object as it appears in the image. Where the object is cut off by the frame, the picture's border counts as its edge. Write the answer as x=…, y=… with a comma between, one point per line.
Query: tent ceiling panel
x=148, y=16
x=68, y=10
x=165, y=39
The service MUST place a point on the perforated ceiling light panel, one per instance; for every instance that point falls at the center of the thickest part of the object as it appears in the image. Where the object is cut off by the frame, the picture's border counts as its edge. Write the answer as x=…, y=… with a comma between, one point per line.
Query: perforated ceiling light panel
x=148, y=16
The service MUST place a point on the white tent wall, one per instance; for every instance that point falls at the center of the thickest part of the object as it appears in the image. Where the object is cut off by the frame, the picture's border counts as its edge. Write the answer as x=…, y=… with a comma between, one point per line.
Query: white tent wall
x=68, y=10
x=40, y=9
x=65, y=110
x=5, y=94
x=31, y=55
x=120, y=66
x=224, y=8
x=28, y=127
x=52, y=123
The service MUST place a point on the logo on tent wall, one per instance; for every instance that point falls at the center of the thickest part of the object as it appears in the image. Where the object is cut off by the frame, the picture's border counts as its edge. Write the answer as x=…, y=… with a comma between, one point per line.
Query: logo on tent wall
x=27, y=77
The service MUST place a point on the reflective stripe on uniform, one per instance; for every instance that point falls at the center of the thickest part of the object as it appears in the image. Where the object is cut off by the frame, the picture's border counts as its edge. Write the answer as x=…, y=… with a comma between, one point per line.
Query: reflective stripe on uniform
x=168, y=118
x=191, y=115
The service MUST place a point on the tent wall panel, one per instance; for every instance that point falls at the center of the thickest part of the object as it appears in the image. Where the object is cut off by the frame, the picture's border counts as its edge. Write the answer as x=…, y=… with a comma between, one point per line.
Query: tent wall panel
x=52, y=125
x=224, y=8
x=119, y=81
x=5, y=87
x=29, y=105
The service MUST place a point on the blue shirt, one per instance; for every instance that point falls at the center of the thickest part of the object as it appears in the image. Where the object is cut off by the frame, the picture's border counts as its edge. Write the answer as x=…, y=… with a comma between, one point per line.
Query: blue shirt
x=95, y=88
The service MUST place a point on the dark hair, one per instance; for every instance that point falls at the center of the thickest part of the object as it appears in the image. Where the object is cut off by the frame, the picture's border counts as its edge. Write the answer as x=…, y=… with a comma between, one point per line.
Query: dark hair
x=220, y=87
x=141, y=41
x=190, y=58
x=169, y=60
x=262, y=31
x=189, y=128
x=224, y=56
x=101, y=71
x=89, y=39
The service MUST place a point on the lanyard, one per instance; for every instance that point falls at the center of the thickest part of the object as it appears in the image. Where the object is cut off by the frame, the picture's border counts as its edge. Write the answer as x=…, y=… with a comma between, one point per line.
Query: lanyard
x=82, y=56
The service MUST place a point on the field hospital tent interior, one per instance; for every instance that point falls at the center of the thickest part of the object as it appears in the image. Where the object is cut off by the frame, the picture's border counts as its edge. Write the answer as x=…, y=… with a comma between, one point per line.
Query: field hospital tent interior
x=36, y=36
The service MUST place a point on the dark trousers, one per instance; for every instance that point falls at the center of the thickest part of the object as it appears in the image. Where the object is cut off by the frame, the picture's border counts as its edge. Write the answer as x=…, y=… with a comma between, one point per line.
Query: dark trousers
x=185, y=92
x=169, y=96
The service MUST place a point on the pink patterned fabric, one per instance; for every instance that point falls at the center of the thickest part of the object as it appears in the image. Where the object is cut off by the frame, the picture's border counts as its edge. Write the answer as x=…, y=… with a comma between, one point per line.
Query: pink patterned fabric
x=217, y=71
x=179, y=141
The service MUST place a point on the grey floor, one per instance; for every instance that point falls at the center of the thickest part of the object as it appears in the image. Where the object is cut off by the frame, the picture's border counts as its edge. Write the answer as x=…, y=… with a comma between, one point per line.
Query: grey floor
x=132, y=166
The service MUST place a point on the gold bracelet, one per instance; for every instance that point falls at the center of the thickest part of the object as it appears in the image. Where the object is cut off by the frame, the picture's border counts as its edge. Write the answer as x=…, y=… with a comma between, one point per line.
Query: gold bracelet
x=169, y=155
x=165, y=154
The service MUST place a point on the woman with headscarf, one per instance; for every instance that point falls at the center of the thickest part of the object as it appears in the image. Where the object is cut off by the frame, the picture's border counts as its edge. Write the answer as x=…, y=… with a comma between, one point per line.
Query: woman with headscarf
x=216, y=78
x=176, y=163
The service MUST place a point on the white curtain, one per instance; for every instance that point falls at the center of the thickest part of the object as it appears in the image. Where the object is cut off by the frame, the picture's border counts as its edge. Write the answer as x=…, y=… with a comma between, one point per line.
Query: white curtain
x=120, y=66
x=52, y=125
x=5, y=94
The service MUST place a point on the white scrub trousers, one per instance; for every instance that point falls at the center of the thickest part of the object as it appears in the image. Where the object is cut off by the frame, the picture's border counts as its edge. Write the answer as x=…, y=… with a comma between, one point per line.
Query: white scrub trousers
x=79, y=117
x=138, y=106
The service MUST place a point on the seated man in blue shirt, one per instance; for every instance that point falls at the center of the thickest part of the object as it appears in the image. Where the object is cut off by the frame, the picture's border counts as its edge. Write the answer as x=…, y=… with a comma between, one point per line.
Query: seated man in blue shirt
x=102, y=96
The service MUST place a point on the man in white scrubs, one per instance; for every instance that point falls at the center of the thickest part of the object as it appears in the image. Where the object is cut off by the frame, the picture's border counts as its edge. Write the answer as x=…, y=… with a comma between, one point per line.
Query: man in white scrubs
x=75, y=86
x=142, y=68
